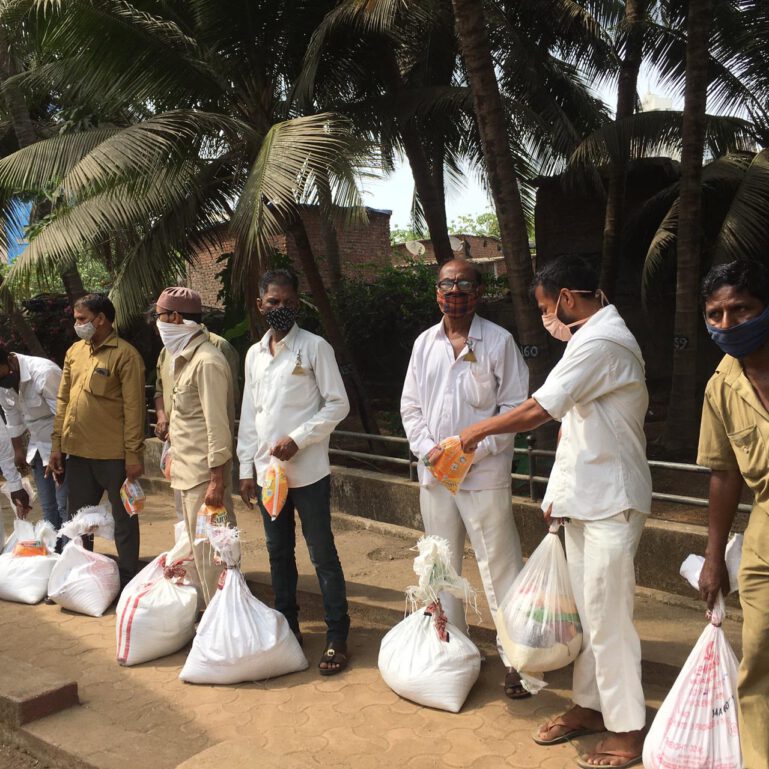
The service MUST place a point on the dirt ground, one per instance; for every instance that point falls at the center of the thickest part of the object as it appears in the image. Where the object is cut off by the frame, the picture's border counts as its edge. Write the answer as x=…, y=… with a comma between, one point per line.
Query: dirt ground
x=12, y=757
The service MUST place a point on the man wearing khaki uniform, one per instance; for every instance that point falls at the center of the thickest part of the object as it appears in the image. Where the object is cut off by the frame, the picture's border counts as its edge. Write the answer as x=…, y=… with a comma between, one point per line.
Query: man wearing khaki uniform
x=202, y=421
x=99, y=423
x=734, y=444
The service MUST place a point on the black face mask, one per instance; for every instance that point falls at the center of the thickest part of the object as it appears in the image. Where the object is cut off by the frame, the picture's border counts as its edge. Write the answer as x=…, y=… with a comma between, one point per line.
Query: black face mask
x=281, y=319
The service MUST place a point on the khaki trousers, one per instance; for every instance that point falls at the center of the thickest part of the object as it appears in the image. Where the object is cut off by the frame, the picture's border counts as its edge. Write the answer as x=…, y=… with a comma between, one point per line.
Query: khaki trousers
x=753, y=684
x=202, y=552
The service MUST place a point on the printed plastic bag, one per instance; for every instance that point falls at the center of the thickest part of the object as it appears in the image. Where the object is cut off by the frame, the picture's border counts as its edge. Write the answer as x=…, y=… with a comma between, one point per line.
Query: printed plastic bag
x=239, y=638
x=166, y=458
x=83, y=581
x=451, y=465
x=208, y=517
x=132, y=495
x=275, y=489
x=26, y=484
x=696, y=726
x=424, y=658
x=157, y=609
x=25, y=570
x=692, y=566
x=537, y=621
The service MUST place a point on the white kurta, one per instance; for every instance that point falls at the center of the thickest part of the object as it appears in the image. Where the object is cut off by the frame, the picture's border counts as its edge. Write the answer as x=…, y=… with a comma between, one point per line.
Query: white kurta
x=7, y=464
x=601, y=481
x=441, y=396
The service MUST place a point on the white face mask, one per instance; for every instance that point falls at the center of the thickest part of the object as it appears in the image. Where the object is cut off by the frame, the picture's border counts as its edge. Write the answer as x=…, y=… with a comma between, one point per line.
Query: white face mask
x=85, y=330
x=177, y=336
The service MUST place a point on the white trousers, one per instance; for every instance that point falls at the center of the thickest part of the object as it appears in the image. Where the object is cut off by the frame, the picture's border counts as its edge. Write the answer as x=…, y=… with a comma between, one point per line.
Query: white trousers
x=487, y=517
x=607, y=673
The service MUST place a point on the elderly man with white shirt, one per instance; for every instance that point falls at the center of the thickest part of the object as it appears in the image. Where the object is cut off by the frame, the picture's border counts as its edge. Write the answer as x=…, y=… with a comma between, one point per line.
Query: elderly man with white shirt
x=293, y=398
x=28, y=389
x=601, y=483
x=463, y=369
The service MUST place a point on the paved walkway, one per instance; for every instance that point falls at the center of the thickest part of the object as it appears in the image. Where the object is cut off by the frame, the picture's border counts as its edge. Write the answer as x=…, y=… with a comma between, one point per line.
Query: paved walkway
x=144, y=716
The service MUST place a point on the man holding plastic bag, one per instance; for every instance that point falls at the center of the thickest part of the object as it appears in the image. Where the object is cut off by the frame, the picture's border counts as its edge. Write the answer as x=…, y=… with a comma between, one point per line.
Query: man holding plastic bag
x=29, y=386
x=734, y=437
x=99, y=423
x=601, y=483
x=293, y=398
x=201, y=427
x=463, y=369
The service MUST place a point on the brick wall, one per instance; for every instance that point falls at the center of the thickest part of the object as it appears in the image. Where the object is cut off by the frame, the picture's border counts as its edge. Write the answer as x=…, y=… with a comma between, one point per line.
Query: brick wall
x=485, y=251
x=364, y=249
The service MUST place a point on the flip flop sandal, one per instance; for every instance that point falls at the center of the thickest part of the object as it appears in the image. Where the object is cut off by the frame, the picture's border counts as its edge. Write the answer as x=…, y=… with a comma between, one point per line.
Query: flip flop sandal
x=631, y=760
x=564, y=737
x=514, y=688
x=335, y=656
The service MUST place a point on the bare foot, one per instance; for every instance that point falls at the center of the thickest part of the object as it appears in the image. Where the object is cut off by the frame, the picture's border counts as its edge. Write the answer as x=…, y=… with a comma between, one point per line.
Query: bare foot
x=576, y=718
x=616, y=749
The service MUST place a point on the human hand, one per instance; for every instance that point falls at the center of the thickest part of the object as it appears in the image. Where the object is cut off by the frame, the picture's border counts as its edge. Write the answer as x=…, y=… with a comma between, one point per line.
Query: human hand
x=134, y=471
x=248, y=491
x=55, y=467
x=470, y=437
x=714, y=579
x=284, y=449
x=20, y=499
x=20, y=459
x=215, y=493
x=548, y=514
x=433, y=454
x=161, y=425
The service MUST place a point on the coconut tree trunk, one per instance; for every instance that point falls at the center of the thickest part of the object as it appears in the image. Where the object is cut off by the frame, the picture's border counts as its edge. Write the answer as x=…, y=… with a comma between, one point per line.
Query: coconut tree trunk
x=19, y=321
x=500, y=167
x=328, y=229
x=333, y=328
x=430, y=190
x=626, y=99
x=684, y=409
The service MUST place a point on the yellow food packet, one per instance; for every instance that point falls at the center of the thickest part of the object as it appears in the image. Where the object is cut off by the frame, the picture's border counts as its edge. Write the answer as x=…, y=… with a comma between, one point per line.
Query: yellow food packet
x=274, y=490
x=451, y=465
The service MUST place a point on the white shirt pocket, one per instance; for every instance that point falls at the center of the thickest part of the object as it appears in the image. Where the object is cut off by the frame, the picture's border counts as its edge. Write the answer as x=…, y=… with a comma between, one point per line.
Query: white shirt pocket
x=479, y=388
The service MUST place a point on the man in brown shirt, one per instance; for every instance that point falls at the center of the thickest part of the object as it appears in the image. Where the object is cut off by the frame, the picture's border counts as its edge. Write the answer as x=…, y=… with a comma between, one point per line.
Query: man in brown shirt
x=99, y=422
x=202, y=421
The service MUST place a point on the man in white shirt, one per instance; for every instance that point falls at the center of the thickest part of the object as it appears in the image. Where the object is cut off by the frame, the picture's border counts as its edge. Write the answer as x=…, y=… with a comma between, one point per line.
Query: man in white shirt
x=464, y=369
x=28, y=389
x=293, y=398
x=12, y=477
x=601, y=484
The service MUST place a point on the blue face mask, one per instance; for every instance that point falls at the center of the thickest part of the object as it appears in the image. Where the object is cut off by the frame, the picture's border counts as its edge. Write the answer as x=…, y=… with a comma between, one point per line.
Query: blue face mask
x=743, y=339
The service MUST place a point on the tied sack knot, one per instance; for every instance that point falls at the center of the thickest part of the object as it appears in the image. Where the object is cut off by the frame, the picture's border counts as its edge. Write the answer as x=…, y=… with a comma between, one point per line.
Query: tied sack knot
x=435, y=610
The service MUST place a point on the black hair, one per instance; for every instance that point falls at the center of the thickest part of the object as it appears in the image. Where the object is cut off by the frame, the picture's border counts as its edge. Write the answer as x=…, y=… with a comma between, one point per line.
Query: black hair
x=281, y=277
x=97, y=303
x=3, y=356
x=742, y=274
x=572, y=272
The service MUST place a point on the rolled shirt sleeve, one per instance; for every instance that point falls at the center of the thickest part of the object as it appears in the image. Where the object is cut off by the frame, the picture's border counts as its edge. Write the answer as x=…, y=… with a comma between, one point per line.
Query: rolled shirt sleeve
x=212, y=382
x=715, y=450
x=335, y=407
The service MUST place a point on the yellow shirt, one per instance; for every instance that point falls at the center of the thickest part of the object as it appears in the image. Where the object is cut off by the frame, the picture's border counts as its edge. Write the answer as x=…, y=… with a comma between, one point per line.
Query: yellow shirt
x=202, y=419
x=101, y=408
x=164, y=377
x=734, y=433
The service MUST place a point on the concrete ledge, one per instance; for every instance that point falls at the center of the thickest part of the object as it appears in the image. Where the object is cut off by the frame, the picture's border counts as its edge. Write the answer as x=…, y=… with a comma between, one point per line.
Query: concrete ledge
x=28, y=693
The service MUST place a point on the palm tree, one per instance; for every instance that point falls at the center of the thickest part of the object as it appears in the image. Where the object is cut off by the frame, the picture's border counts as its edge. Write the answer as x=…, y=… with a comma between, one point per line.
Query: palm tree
x=214, y=138
x=681, y=424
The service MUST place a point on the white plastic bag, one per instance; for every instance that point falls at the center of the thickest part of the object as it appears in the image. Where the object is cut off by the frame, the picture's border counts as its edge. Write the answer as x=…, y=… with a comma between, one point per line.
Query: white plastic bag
x=692, y=566
x=25, y=578
x=83, y=581
x=157, y=610
x=424, y=658
x=239, y=638
x=537, y=621
x=696, y=726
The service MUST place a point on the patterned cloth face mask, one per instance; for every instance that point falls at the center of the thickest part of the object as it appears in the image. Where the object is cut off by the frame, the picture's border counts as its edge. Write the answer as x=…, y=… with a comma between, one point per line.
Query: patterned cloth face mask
x=281, y=319
x=456, y=304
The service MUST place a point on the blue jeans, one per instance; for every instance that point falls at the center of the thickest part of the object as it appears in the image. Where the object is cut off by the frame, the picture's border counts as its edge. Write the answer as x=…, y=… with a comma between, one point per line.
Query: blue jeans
x=313, y=503
x=53, y=500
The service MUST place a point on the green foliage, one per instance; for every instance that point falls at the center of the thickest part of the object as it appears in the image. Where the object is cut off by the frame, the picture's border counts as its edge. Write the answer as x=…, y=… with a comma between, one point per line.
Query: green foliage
x=485, y=225
x=401, y=235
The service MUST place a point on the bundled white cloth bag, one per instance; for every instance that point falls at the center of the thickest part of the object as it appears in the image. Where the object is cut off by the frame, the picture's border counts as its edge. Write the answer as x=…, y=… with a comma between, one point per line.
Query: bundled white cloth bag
x=157, y=609
x=691, y=568
x=83, y=581
x=696, y=726
x=239, y=638
x=24, y=578
x=425, y=658
x=537, y=621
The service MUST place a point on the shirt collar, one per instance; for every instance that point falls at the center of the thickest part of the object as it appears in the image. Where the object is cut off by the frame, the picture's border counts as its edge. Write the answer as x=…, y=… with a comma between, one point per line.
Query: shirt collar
x=24, y=373
x=193, y=345
x=288, y=341
x=735, y=377
x=475, y=333
x=110, y=341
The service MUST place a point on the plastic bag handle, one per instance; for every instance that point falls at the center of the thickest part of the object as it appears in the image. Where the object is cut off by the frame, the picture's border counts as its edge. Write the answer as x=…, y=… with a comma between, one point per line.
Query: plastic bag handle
x=718, y=612
x=554, y=526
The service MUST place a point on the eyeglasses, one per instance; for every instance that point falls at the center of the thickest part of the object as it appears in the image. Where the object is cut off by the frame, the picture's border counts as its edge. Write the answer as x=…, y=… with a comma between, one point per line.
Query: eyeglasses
x=447, y=285
x=157, y=315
